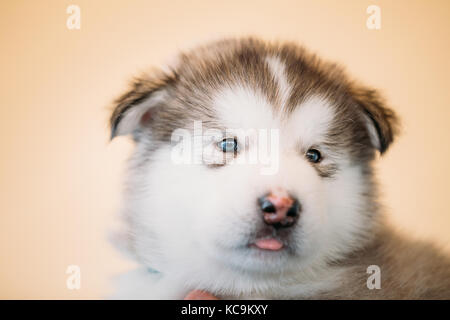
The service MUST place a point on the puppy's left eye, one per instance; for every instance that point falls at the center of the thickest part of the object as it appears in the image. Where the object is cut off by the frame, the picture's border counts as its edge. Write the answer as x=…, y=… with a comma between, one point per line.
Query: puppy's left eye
x=228, y=145
x=313, y=155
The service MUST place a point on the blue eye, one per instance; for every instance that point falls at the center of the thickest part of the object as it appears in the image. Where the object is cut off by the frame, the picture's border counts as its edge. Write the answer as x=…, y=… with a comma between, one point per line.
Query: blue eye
x=228, y=145
x=313, y=155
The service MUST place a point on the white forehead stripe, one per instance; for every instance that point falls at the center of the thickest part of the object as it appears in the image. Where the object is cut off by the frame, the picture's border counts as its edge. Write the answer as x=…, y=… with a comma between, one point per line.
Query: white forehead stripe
x=278, y=70
x=311, y=120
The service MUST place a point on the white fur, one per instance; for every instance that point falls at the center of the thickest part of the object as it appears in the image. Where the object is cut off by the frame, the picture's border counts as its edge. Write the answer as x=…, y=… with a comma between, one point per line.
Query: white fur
x=278, y=70
x=241, y=107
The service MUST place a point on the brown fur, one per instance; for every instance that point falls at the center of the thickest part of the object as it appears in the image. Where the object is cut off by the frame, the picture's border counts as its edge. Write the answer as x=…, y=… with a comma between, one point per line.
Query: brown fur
x=202, y=71
x=409, y=270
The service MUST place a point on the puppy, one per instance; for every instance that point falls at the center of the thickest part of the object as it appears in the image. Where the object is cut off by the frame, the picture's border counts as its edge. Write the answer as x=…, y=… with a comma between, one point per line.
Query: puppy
x=252, y=178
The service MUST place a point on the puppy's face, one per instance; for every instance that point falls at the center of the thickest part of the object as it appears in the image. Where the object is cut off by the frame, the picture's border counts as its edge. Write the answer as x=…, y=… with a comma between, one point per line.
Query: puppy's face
x=252, y=156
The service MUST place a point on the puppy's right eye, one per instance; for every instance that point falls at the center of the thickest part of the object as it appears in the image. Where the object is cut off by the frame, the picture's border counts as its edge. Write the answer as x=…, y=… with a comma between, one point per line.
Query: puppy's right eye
x=313, y=155
x=228, y=145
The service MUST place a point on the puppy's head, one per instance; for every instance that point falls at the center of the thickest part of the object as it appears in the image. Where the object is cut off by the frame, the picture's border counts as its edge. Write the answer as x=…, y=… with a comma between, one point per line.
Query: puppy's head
x=252, y=156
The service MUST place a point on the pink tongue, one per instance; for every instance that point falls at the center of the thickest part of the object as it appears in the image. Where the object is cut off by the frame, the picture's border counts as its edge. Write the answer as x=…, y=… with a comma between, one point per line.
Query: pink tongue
x=269, y=244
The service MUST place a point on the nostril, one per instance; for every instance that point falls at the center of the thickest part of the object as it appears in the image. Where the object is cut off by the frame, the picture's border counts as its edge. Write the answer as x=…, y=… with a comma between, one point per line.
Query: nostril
x=294, y=209
x=267, y=206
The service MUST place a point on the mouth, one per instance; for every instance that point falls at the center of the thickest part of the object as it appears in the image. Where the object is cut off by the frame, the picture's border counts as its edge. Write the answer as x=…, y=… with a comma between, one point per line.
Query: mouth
x=269, y=239
x=268, y=244
x=267, y=250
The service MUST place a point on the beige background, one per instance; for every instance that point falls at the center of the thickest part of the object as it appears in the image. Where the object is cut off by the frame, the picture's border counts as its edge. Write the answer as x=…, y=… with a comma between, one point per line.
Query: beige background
x=60, y=178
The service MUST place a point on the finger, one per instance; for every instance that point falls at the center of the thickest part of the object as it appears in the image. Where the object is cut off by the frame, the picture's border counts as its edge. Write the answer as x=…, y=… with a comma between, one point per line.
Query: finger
x=200, y=295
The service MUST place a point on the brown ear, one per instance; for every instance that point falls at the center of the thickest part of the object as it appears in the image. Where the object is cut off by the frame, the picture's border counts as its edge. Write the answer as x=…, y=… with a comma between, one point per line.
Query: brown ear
x=382, y=122
x=135, y=108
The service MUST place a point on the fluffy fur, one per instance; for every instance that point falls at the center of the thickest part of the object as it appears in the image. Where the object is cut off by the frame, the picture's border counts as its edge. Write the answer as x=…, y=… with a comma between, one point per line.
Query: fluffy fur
x=193, y=222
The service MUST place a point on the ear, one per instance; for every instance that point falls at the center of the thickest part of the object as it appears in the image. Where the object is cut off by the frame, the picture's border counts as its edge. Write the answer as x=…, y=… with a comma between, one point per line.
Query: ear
x=136, y=108
x=381, y=122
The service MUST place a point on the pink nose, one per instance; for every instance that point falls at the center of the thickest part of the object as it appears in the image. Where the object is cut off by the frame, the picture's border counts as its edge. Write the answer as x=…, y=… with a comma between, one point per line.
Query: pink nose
x=279, y=209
